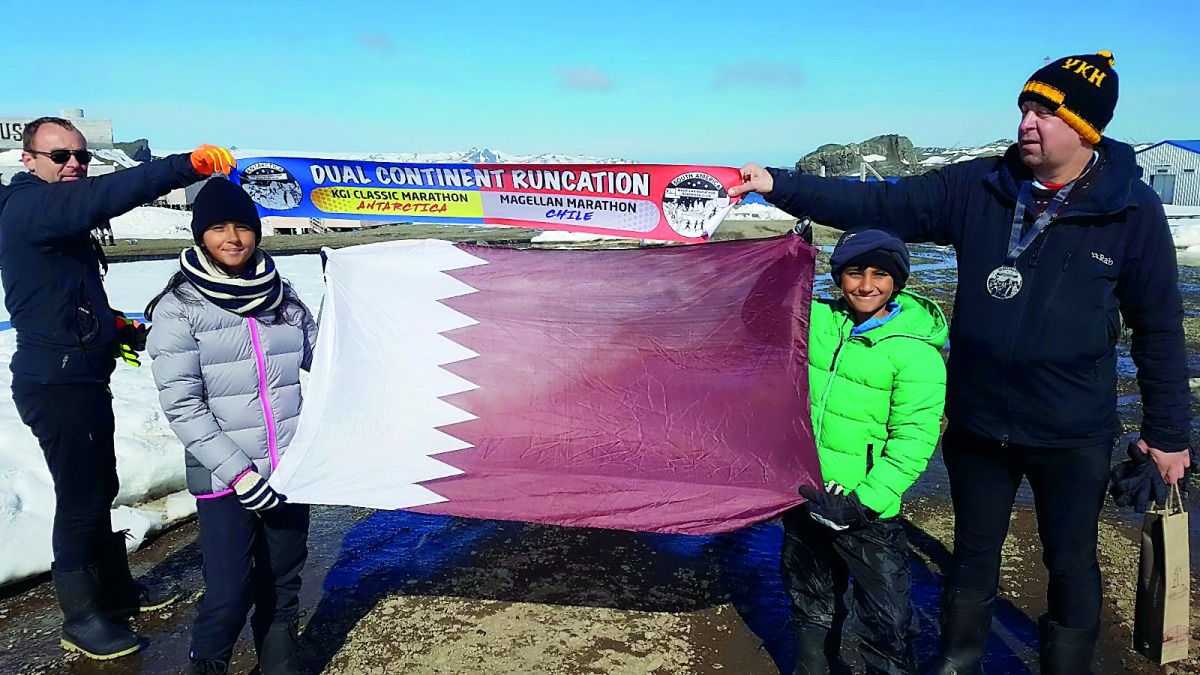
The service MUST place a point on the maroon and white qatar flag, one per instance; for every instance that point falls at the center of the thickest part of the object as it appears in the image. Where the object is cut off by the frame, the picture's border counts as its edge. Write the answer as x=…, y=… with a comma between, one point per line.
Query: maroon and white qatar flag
x=659, y=389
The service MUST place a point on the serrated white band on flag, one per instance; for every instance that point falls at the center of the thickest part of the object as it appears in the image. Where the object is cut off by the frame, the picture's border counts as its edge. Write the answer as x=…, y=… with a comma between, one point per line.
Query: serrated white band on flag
x=381, y=324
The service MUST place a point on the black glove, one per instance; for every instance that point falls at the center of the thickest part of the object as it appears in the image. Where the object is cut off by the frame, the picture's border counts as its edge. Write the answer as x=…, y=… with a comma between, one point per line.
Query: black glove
x=835, y=508
x=131, y=338
x=1189, y=474
x=1136, y=482
x=804, y=229
x=254, y=493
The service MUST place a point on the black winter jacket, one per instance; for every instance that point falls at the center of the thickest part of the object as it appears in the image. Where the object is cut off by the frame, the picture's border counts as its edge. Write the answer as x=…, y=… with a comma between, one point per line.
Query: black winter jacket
x=1038, y=369
x=50, y=269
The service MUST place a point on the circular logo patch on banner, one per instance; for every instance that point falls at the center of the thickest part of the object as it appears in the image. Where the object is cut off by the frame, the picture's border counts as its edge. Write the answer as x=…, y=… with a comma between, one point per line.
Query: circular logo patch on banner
x=692, y=201
x=271, y=186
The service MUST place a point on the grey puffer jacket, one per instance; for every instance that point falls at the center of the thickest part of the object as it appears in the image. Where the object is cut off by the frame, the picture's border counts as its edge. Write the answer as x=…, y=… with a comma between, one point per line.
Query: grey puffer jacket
x=230, y=385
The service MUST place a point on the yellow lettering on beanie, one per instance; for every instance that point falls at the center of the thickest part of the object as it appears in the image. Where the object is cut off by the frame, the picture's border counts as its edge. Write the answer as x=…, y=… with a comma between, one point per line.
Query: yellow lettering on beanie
x=1081, y=67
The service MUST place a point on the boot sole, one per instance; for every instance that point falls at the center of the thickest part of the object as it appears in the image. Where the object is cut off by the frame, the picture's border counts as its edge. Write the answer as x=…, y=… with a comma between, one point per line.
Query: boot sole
x=72, y=647
x=130, y=612
x=165, y=603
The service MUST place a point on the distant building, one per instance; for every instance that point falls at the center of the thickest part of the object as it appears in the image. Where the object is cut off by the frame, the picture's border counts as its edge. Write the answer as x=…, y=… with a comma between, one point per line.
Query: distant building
x=181, y=198
x=98, y=132
x=294, y=225
x=1172, y=168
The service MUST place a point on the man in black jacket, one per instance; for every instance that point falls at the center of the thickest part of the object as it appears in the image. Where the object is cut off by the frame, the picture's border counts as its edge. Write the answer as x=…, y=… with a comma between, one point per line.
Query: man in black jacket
x=67, y=342
x=1057, y=241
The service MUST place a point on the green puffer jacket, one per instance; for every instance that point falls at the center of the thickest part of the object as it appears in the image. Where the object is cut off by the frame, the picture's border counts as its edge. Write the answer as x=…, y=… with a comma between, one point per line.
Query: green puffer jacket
x=877, y=397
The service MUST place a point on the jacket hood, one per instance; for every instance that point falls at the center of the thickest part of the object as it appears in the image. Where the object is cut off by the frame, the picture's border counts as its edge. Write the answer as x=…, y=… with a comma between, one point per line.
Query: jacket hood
x=19, y=181
x=1109, y=191
x=25, y=179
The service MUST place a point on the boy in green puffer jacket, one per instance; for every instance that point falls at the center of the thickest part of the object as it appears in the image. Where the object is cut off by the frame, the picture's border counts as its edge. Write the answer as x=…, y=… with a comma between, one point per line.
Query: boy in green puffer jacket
x=878, y=386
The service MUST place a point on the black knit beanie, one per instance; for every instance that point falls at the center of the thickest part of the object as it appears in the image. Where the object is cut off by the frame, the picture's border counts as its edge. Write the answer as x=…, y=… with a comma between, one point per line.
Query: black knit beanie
x=870, y=248
x=220, y=201
x=1082, y=90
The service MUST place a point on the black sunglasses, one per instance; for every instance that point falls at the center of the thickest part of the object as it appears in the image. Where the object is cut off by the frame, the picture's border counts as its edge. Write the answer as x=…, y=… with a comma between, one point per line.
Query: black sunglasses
x=64, y=156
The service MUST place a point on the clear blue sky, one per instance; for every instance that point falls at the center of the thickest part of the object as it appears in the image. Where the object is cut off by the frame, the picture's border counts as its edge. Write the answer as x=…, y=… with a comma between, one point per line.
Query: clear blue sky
x=652, y=81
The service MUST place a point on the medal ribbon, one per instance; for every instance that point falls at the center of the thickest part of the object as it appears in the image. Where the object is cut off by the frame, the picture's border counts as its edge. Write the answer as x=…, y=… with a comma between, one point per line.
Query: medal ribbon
x=1016, y=243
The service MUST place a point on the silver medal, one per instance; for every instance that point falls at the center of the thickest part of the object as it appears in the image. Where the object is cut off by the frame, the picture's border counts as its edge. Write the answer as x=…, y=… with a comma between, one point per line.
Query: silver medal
x=1004, y=282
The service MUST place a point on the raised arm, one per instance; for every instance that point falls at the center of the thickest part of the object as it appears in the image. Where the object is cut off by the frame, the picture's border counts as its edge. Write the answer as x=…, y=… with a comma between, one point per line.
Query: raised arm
x=67, y=209
x=916, y=208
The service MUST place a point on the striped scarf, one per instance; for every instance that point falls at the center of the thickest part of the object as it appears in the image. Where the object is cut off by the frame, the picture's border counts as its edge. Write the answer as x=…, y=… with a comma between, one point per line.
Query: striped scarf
x=258, y=289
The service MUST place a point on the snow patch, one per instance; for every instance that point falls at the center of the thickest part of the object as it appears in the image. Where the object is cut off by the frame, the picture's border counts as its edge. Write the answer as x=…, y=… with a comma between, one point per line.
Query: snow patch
x=149, y=456
x=152, y=222
x=757, y=212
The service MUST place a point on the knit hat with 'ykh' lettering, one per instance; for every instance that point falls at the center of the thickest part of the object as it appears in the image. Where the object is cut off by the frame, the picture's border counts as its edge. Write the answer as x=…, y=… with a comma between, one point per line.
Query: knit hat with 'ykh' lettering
x=1082, y=90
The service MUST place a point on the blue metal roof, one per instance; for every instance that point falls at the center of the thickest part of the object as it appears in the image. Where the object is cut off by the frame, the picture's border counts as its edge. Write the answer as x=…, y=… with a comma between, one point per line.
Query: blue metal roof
x=1194, y=146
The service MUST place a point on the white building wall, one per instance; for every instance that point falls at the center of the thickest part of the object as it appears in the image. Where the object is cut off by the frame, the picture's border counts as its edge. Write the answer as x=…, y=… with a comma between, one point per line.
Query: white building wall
x=288, y=224
x=182, y=198
x=1171, y=162
x=98, y=132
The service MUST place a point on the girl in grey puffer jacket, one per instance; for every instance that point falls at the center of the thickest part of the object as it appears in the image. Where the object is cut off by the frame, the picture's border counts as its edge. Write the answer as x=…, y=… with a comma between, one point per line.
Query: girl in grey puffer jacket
x=228, y=339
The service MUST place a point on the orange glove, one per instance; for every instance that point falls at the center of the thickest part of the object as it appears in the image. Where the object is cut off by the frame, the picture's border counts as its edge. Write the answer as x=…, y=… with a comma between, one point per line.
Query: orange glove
x=209, y=159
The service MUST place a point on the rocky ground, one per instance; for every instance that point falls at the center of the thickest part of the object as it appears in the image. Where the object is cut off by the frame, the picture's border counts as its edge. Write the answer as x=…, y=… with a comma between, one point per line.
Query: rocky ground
x=394, y=592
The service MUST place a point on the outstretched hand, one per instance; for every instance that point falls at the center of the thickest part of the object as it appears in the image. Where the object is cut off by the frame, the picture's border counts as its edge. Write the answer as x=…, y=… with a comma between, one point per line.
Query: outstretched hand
x=209, y=159
x=755, y=179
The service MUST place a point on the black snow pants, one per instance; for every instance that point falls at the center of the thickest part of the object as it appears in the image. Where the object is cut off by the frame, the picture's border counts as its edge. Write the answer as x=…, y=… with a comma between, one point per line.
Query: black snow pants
x=818, y=566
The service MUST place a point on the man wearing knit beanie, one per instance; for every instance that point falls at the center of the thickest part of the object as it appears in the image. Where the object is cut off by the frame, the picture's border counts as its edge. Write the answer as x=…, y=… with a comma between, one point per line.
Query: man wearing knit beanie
x=1082, y=90
x=1060, y=248
x=1065, y=106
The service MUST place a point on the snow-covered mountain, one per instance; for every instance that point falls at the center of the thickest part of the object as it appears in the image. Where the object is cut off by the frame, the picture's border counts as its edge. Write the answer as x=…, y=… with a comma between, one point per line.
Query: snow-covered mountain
x=107, y=160
x=470, y=156
x=930, y=158
x=894, y=156
x=890, y=156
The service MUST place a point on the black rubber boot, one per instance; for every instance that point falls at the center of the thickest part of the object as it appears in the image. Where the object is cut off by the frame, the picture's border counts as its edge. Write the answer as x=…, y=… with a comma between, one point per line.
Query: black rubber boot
x=278, y=653
x=85, y=628
x=811, y=658
x=121, y=596
x=1066, y=651
x=966, y=625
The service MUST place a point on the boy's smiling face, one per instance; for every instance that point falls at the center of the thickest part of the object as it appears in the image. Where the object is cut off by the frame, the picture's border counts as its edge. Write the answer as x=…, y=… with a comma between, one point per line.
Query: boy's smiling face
x=867, y=290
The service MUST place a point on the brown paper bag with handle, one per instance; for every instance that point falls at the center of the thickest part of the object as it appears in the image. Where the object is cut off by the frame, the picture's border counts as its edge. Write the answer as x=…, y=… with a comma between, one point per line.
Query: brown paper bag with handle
x=1160, y=625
